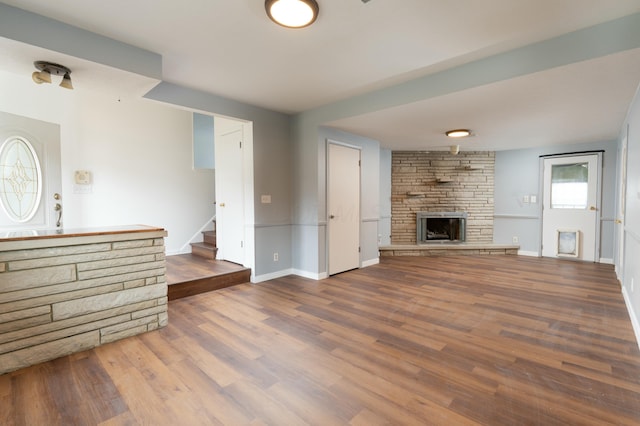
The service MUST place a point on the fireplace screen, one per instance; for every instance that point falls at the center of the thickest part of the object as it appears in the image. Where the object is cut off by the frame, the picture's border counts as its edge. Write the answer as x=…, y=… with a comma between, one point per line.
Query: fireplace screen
x=435, y=227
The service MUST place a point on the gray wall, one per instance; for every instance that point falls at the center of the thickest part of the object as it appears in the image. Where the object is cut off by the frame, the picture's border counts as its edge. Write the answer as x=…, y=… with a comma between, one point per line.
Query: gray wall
x=384, y=226
x=517, y=174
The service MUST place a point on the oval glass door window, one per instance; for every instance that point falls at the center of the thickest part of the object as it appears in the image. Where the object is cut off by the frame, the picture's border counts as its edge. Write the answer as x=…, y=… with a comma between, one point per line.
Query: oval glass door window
x=20, y=179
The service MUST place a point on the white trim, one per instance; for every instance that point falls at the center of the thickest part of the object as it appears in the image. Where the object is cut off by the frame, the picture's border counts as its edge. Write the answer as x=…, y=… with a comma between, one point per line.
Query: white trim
x=634, y=320
x=528, y=253
x=606, y=260
x=271, y=276
x=311, y=275
x=370, y=262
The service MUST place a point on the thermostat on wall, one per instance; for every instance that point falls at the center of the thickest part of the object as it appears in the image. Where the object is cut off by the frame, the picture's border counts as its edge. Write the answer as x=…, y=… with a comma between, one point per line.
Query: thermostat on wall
x=83, y=177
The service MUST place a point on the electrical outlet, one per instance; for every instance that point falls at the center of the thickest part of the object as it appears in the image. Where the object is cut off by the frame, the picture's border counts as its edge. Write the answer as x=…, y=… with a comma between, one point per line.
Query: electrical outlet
x=515, y=240
x=275, y=257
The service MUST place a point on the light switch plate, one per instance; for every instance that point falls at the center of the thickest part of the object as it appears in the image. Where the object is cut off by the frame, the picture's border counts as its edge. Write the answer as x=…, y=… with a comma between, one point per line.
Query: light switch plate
x=265, y=199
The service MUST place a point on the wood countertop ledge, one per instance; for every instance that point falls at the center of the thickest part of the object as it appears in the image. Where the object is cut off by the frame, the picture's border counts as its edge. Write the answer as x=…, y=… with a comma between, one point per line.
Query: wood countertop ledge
x=11, y=240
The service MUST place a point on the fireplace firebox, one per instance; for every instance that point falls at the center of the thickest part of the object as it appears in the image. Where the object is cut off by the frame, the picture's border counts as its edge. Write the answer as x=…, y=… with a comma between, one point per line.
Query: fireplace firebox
x=441, y=227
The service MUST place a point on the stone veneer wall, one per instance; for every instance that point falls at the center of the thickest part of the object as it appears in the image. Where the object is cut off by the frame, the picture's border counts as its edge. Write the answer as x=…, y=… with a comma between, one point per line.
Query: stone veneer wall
x=63, y=299
x=439, y=182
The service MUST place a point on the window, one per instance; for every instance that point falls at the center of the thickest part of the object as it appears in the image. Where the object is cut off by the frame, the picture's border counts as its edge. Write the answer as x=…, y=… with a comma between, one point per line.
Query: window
x=20, y=179
x=569, y=186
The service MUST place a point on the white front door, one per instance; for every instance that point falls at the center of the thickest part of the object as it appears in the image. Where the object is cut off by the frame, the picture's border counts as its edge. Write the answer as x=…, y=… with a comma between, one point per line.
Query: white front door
x=343, y=208
x=571, y=204
x=30, y=183
x=229, y=185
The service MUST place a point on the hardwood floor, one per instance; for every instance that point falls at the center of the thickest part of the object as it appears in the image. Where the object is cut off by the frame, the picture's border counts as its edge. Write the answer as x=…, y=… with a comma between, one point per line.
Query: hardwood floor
x=491, y=340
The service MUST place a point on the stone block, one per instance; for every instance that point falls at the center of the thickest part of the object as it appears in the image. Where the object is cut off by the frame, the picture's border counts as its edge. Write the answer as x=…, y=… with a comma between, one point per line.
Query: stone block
x=102, y=302
x=53, y=252
x=21, y=324
x=83, y=258
x=36, y=354
x=117, y=328
x=55, y=295
x=25, y=313
x=20, y=280
x=114, y=263
x=136, y=283
x=122, y=270
x=119, y=245
x=123, y=334
x=56, y=330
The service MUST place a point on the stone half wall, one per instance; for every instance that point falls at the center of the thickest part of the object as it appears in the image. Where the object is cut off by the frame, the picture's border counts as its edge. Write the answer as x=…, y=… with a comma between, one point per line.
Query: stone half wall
x=442, y=182
x=67, y=298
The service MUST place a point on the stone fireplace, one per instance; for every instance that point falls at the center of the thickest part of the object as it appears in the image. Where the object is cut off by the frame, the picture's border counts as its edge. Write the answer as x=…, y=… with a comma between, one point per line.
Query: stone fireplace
x=441, y=227
x=437, y=182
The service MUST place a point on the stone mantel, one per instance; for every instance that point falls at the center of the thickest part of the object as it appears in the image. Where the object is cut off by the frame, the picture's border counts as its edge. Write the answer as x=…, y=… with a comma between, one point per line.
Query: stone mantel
x=65, y=291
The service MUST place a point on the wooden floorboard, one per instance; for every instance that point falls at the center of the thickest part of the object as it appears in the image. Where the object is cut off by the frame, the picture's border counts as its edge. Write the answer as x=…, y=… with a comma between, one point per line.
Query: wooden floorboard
x=188, y=274
x=455, y=340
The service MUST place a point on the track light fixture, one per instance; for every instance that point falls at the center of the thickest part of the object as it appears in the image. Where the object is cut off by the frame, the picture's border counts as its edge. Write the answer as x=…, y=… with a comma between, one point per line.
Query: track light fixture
x=45, y=69
x=292, y=13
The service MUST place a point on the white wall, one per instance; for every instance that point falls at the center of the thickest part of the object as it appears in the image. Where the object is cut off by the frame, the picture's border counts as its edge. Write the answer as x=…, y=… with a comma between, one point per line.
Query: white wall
x=139, y=151
x=630, y=265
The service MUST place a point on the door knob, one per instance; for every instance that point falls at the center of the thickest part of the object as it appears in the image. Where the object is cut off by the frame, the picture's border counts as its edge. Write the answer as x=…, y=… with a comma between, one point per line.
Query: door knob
x=332, y=217
x=221, y=204
x=592, y=208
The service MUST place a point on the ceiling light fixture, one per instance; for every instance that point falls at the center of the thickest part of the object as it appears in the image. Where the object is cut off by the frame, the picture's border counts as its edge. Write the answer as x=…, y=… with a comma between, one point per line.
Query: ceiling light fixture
x=45, y=69
x=292, y=13
x=458, y=133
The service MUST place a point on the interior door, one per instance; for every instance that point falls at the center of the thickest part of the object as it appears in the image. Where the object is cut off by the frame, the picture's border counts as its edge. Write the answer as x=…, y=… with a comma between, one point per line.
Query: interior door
x=230, y=197
x=570, y=214
x=622, y=195
x=30, y=183
x=343, y=208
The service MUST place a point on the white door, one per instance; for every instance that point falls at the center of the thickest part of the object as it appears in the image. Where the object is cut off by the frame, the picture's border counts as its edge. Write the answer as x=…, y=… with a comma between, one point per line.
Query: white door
x=570, y=214
x=343, y=208
x=622, y=195
x=30, y=184
x=230, y=197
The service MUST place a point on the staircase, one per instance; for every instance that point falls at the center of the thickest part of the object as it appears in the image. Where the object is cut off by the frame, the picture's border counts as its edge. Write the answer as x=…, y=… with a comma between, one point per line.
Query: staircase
x=207, y=248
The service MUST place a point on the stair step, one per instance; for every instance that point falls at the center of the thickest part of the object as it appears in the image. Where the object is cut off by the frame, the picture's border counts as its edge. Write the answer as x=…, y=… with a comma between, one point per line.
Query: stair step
x=209, y=237
x=205, y=250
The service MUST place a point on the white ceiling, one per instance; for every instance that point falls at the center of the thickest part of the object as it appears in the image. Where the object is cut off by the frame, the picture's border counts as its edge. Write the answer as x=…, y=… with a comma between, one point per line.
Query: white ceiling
x=230, y=48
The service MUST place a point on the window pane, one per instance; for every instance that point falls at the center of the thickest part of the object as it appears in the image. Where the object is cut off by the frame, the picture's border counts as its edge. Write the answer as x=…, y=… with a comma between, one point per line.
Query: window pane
x=20, y=179
x=569, y=186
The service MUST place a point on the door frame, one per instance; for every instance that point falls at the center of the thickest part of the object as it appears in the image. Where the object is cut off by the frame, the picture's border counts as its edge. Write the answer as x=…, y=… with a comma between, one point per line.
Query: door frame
x=620, y=212
x=327, y=196
x=246, y=127
x=598, y=220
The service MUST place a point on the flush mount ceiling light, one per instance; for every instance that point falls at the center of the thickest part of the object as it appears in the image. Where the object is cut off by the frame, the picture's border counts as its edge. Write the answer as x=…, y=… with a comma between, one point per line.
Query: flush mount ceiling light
x=458, y=133
x=292, y=13
x=45, y=69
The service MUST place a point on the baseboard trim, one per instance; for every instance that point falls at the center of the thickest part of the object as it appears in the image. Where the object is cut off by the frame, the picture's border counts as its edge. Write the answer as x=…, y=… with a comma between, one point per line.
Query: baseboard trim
x=528, y=253
x=606, y=260
x=271, y=276
x=634, y=320
x=370, y=262
x=311, y=275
